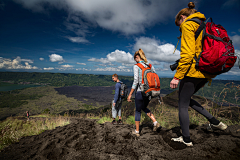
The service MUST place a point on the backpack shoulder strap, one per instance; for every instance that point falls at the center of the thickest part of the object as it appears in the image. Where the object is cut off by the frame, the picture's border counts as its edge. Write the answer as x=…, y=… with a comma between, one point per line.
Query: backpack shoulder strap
x=200, y=28
x=140, y=65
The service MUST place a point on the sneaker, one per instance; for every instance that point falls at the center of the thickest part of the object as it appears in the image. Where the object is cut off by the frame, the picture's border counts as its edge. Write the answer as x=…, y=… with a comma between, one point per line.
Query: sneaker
x=119, y=121
x=180, y=139
x=134, y=133
x=220, y=126
x=156, y=127
x=114, y=122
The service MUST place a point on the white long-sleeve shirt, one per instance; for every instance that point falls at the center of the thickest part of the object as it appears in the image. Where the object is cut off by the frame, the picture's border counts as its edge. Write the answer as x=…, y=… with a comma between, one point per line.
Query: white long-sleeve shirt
x=138, y=75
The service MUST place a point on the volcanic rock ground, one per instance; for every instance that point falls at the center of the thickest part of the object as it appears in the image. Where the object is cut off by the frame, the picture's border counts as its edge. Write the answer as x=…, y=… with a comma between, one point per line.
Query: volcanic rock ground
x=89, y=95
x=85, y=139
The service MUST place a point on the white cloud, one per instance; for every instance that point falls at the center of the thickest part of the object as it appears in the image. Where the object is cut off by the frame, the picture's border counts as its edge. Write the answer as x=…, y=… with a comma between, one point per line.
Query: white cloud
x=122, y=67
x=48, y=69
x=104, y=65
x=154, y=50
x=102, y=60
x=81, y=63
x=64, y=68
x=6, y=63
x=239, y=30
x=237, y=53
x=234, y=71
x=154, y=62
x=25, y=60
x=125, y=16
x=236, y=40
x=161, y=69
x=41, y=59
x=115, y=69
x=78, y=39
x=56, y=58
x=116, y=56
x=83, y=69
x=67, y=66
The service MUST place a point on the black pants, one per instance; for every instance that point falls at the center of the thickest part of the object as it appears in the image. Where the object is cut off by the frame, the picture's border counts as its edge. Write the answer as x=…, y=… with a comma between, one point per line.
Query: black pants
x=189, y=86
x=141, y=103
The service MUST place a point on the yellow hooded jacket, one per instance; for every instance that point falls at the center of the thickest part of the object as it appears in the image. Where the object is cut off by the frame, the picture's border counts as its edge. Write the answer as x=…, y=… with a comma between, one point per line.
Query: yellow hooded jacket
x=190, y=48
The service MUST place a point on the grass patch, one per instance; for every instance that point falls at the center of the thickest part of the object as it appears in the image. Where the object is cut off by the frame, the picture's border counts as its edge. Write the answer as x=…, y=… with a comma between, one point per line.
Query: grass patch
x=12, y=129
x=168, y=117
x=130, y=120
x=104, y=119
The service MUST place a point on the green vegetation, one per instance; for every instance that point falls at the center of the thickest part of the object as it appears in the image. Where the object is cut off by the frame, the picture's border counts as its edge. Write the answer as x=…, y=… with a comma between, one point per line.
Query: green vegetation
x=12, y=129
x=230, y=94
x=6, y=84
x=223, y=91
x=168, y=116
x=13, y=99
x=58, y=79
x=130, y=120
x=38, y=100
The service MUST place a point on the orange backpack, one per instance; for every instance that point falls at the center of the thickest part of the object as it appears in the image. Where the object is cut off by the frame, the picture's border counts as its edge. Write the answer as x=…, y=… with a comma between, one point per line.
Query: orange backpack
x=150, y=85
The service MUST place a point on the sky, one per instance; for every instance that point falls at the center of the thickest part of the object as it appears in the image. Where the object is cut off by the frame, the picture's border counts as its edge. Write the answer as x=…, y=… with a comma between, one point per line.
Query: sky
x=101, y=36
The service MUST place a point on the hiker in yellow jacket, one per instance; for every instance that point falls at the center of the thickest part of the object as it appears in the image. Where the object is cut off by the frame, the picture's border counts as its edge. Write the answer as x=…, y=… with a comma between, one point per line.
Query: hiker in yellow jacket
x=190, y=78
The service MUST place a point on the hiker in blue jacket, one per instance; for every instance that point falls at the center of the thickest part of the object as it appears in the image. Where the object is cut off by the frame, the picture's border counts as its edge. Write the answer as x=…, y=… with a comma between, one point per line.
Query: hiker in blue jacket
x=117, y=101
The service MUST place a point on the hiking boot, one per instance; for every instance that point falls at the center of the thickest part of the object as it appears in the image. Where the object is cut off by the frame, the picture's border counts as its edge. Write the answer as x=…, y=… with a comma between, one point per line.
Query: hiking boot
x=134, y=133
x=220, y=126
x=119, y=121
x=156, y=127
x=114, y=122
x=180, y=139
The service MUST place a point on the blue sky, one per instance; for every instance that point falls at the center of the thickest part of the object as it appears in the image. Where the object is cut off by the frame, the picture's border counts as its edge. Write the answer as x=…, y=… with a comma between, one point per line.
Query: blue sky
x=100, y=36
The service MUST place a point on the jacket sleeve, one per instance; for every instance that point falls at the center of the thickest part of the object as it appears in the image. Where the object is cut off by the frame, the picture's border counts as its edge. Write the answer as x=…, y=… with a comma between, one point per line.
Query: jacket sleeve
x=117, y=90
x=187, y=49
x=135, y=81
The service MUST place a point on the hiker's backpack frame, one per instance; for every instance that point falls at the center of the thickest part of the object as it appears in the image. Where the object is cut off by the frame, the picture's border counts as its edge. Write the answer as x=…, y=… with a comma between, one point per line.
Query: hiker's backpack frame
x=150, y=84
x=217, y=54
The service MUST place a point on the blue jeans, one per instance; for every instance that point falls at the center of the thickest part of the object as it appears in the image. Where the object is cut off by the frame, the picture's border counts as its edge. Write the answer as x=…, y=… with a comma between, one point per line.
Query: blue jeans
x=141, y=103
x=116, y=109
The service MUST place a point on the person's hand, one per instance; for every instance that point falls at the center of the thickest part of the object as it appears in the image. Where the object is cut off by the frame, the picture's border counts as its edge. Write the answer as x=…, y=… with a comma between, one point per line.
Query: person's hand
x=129, y=98
x=114, y=104
x=174, y=83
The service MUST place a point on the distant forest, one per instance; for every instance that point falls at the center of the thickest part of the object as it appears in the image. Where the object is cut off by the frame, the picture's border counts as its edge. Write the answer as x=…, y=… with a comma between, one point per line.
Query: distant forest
x=220, y=90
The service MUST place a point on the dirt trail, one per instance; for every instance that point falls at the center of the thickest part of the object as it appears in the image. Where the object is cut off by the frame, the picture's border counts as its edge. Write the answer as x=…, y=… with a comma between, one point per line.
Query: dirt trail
x=85, y=139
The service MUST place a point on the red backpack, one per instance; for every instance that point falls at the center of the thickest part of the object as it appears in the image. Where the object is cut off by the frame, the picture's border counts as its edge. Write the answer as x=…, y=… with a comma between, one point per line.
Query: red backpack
x=217, y=54
x=150, y=85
